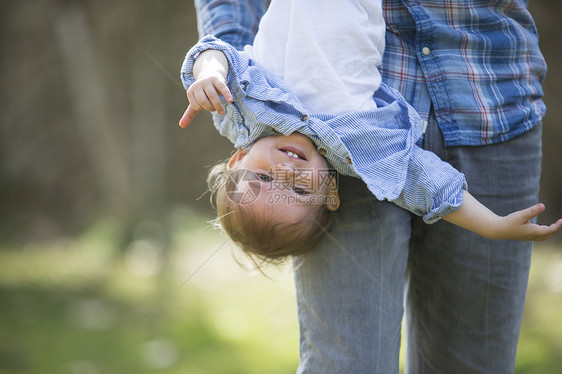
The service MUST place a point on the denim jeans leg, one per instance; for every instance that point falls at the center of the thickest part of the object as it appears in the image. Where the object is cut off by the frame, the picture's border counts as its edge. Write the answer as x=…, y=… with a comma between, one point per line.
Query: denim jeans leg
x=350, y=289
x=465, y=294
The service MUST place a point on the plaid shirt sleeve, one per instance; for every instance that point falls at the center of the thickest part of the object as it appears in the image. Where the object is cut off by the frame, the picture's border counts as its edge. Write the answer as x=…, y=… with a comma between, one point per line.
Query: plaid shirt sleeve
x=234, y=21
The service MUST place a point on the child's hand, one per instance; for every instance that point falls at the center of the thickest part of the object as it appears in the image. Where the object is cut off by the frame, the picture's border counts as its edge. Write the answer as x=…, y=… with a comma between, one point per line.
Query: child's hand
x=204, y=95
x=210, y=71
x=474, y=216
x=517, y=226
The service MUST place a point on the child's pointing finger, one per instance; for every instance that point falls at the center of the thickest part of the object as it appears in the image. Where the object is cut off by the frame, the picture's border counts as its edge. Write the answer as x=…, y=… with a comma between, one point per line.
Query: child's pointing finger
x=188, y=116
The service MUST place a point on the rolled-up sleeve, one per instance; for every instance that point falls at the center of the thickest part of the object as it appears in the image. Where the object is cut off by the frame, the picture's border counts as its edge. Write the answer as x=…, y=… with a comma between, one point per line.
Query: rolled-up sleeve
x=433, y=188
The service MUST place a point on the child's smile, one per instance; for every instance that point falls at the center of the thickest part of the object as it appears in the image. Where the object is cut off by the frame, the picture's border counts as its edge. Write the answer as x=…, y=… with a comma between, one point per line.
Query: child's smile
x=293, y=153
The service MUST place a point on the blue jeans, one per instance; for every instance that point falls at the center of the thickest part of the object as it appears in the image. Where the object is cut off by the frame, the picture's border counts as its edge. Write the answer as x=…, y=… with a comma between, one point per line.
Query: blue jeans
x=464, y=294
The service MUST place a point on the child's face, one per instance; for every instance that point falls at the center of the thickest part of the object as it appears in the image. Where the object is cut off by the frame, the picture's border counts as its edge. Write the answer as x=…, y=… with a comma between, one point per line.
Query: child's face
x=286, y=177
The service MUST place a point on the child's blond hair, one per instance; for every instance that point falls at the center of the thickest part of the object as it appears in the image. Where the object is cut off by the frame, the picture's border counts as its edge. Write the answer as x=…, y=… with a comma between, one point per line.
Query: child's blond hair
x=259, y=237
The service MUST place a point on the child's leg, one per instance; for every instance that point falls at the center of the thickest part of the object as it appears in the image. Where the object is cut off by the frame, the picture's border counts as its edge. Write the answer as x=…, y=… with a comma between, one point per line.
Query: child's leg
x=350, y=288
x=466, y=293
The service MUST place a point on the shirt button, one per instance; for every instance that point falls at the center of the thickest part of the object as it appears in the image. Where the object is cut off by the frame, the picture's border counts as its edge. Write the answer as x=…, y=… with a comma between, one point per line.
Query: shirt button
x=304, y=117
x=426, y=51
x=322, y=151
x=348, y=160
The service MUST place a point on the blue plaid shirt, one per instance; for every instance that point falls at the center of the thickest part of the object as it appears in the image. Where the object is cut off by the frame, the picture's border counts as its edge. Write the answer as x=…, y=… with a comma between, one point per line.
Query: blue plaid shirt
x=377, y=145
x=478, y=64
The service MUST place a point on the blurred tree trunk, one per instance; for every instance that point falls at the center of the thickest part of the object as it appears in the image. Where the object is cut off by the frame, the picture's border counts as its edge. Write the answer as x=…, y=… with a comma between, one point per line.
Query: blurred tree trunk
x=149, y=149
x=131, y=178
x=89, y=93
x=149, y=111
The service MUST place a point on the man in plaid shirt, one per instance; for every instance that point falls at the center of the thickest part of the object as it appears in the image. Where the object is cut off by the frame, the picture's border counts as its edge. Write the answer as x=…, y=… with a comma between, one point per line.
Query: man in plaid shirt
x=473, y=71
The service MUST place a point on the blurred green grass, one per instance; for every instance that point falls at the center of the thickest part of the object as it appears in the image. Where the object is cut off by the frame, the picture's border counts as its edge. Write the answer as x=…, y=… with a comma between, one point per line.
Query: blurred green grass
x=83, y=306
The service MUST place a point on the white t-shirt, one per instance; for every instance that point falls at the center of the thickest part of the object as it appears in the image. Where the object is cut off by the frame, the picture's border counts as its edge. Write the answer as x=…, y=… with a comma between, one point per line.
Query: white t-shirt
x=326, y=51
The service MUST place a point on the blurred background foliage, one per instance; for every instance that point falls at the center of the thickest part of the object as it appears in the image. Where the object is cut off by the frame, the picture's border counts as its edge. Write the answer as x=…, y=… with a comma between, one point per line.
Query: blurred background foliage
x=107, y=264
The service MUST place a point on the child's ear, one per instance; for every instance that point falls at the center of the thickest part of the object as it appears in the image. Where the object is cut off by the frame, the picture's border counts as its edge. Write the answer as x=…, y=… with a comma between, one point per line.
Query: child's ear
x=236, y=158
x=332, y=197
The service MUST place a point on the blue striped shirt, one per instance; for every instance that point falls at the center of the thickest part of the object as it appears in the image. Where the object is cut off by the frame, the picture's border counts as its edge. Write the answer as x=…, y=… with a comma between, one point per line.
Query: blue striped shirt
x=377, y=145
x=476, y=62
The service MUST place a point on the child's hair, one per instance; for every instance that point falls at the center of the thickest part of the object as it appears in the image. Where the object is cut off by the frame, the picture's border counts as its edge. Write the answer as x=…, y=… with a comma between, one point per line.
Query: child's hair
x=258, y=237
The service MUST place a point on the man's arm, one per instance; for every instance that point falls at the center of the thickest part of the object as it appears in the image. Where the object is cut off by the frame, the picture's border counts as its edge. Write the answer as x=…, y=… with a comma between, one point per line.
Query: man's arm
x=474, y=216
x=235, y=22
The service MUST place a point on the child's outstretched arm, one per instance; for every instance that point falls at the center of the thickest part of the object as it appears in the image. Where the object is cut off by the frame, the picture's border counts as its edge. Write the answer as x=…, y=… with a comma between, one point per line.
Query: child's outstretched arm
x=474, y=216
x=210, y=71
